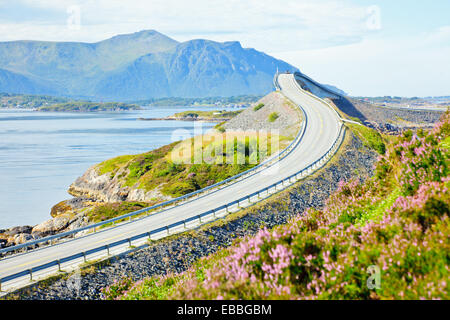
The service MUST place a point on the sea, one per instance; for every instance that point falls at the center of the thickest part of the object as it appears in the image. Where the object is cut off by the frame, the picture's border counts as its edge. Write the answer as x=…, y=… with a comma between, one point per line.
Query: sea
x=42, y=153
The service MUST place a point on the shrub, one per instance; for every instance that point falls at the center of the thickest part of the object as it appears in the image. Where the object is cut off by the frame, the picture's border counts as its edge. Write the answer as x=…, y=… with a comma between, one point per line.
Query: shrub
x=273, y=116
x=259, y=106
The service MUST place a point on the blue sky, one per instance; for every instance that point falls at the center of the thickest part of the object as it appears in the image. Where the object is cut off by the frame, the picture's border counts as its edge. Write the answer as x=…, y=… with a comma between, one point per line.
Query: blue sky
x=364, y=47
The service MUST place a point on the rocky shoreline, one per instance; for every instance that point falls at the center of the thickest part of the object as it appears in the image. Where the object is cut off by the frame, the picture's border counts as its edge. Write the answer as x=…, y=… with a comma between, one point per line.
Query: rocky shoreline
x=67, y=215
x=178, y=253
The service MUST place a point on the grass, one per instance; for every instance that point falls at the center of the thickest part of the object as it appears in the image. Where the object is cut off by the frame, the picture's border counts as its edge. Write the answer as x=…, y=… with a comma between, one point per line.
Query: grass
x=445, y=143
x=273, y=116
x=258, y=107
x=377, y=212
x=370, y=137
x=111, y=210
x=183, y=167
x=114, y=164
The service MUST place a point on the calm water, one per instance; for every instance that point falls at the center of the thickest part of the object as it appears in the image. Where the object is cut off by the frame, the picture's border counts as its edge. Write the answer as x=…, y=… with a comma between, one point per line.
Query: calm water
x=41, y=154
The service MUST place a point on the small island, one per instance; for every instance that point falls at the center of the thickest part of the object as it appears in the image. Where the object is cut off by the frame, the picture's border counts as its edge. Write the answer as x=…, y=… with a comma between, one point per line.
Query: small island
x=89, y=107
x=206, y=116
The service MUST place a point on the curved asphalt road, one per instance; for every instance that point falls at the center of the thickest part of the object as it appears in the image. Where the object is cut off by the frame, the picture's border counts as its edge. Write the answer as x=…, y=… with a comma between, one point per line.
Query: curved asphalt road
x=320, y=133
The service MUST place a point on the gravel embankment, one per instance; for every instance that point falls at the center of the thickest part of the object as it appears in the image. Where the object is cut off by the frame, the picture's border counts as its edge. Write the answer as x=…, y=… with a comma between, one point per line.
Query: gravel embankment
x=387, y=120
x=288, y=121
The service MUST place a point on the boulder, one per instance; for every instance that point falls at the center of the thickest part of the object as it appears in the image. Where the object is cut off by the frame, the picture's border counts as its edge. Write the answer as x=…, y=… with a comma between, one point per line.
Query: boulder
x=52, y=226
x=17, y=230
x=22, y=238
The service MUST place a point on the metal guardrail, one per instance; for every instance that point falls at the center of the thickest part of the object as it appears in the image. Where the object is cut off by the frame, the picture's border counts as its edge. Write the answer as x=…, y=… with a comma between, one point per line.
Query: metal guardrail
x=316, y=97
x=290, y=180
x=234, y=179
x=275, y=81
x=318, y=84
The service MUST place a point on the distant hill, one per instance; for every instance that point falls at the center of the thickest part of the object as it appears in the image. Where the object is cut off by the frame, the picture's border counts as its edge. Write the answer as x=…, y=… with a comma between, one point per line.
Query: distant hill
x=84, y=106
x=142, y=65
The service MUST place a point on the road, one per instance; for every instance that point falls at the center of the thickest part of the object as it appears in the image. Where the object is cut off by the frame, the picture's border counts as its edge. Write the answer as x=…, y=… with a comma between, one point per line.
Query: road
x=321, y=132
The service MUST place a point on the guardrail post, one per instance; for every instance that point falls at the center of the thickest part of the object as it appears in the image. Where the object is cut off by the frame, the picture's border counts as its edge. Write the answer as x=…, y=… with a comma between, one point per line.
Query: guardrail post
x=59, y=265
x=31, y=274
x=168, y=231
x=107, y=249
x=84, y=257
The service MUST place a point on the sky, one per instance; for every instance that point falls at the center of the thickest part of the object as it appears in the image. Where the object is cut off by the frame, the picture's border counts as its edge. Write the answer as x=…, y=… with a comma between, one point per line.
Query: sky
x=366, y=48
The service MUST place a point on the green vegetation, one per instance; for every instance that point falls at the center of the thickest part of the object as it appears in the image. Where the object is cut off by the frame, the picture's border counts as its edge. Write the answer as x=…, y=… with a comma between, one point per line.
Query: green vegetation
x=273, y=116
x=190, y=165
x=258, y=107
x=112, y=210
x=208, y=101
x=376, y=212
x=28, y=101
x=81, y=106
x=370, y=137
x=206, y=115
x=220, y=128
x=446, y=143
x=396, y=223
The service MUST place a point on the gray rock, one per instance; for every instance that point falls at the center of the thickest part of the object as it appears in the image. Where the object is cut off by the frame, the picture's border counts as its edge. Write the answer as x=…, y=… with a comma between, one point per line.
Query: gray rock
x=22, y=238
x=17, y=230
x=52, y=226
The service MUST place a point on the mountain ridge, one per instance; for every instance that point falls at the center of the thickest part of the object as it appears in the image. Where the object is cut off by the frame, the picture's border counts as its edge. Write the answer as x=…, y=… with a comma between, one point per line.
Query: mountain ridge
x=141, y=65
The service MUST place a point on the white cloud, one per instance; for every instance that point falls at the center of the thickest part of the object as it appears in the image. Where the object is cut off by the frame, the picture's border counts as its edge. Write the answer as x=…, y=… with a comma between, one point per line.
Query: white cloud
x=263, y=24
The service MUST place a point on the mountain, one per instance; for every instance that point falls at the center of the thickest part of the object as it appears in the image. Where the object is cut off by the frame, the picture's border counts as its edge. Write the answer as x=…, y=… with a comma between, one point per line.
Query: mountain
x=141, y=65
x=14, y=82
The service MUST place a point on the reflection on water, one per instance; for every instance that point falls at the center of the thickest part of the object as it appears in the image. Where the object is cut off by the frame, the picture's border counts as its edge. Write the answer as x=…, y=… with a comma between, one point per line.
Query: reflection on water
x=41, y=154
